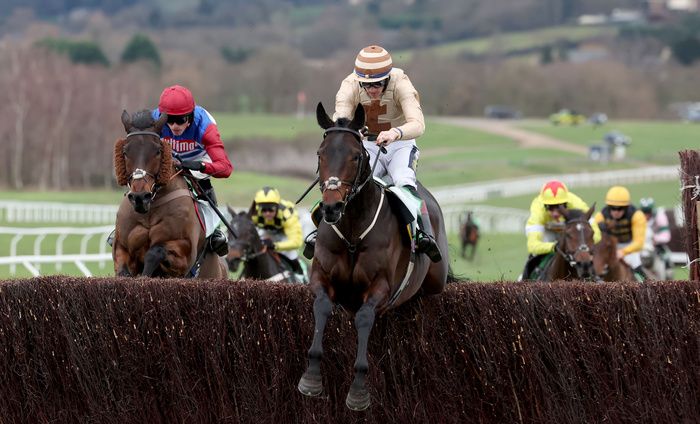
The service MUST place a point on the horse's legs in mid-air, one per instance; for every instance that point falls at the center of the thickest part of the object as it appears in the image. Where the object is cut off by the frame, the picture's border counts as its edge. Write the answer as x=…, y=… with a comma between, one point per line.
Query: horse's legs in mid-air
x=152, y=260
x=310, y=383
x=471, y=255
x=358, y=396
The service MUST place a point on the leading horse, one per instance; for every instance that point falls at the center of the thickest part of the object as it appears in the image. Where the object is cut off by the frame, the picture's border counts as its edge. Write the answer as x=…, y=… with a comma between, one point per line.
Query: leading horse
x=158, y=231
x=361, y=260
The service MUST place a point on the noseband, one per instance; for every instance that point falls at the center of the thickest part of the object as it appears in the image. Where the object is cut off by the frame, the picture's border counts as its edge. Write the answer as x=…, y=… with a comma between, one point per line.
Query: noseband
x=139, y=173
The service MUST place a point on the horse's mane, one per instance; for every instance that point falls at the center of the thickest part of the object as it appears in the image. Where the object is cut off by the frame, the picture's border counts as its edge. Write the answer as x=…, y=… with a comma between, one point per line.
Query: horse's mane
x=342, y=122
x=143, y=120
x=575, y=214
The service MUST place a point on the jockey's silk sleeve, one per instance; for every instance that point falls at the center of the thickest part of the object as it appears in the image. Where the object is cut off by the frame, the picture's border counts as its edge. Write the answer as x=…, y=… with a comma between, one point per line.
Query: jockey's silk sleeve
x=291, y=227
x=220, y=166
x=534, y=229
x=639, y=230
x=408, y=99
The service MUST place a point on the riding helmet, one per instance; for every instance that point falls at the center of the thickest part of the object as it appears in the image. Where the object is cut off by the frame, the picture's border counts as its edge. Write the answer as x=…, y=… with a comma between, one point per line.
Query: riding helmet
x=176, y=100
x=617, y=196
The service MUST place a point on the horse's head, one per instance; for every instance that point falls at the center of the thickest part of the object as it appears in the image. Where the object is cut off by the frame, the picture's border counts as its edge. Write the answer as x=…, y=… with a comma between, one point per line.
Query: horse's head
x=605, y=252
x=244, y=245
x=575, y=243
x=142, y=161
x=343, y=163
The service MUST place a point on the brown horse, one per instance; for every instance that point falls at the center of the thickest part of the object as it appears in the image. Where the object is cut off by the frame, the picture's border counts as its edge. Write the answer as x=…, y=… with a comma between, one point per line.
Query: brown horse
x=158, y=232
x=469, y=236
x=573, y=257
x=361, y=261
x=605, y=262
x=247, y=247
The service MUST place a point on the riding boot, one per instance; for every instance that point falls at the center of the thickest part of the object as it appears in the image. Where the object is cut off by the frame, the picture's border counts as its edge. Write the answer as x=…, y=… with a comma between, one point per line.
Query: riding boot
x=425, y=239
x=296, y=266
x=206, y=186
x=641, y=273
x=218, y=243
x=110, y=237
x=310, y=245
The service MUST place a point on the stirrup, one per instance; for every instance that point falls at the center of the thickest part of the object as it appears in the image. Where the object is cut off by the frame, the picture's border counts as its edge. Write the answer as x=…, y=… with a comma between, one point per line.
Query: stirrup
x=310, y=245
x=110, y=237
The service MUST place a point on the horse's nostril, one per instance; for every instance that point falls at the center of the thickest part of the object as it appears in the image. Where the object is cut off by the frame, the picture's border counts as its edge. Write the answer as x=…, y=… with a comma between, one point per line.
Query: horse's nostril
x=130, y=196
x=147, y=197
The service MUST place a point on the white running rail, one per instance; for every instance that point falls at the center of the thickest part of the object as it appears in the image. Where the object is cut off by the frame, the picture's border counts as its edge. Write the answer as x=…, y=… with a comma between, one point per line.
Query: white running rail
x=480, y=191
x=69, y=213
x=32, y=263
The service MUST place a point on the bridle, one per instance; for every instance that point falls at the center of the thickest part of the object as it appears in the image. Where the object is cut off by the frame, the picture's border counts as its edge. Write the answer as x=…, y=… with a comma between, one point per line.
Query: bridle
x=140, y=174
x=355, y=186
x=570, y=257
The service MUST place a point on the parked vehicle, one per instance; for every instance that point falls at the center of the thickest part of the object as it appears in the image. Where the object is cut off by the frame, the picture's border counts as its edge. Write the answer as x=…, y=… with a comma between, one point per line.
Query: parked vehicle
x=502, y=112
x=567, y=117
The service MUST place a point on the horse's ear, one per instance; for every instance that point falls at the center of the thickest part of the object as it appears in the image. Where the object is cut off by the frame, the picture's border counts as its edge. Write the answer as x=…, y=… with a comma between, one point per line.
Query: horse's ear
x=160, y=122
x=126, y=121
x=251, y=210
x=322, y=117
x=590, y=212
x=230, y=210
x=358, y=120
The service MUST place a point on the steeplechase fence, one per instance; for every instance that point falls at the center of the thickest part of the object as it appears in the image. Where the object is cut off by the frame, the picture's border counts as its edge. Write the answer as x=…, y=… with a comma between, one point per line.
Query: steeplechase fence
x=158, y=351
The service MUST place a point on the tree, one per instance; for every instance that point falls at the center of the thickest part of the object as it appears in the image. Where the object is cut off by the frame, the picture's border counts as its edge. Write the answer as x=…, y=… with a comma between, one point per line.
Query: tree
x=140, y=47
x=86, y=52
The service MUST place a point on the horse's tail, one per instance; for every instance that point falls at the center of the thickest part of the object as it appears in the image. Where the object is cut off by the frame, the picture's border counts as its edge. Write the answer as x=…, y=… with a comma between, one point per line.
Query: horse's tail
x=452, y=277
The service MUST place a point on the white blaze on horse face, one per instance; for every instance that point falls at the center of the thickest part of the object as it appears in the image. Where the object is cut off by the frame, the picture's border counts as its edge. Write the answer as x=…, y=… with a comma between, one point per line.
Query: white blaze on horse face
x=330, y=190
x=579, y=227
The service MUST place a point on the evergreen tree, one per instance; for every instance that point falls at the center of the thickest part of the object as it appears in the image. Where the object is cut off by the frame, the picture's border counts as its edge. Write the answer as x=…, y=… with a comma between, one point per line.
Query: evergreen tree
x=140, y=47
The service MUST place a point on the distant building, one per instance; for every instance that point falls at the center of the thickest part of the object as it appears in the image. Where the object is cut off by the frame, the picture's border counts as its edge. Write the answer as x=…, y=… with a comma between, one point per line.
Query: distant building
x=663, y=10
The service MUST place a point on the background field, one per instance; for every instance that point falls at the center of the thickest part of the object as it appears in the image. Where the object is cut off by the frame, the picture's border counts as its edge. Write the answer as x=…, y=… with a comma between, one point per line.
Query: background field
x=450, y=155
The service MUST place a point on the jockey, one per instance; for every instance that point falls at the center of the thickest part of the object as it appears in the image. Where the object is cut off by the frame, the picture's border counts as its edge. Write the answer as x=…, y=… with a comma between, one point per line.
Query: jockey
x=545, y=222
x=195, y=139
x=395, y=120
x=278, y=224
x=627, y=224
x=658, y=228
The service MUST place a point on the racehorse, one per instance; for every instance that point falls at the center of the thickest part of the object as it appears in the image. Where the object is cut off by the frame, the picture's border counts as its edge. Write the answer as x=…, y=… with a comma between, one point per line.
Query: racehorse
x=247, y=247
x=158, y=231
x=469, y=236
x=361, y=260
x=573, y=258
x=605, y=262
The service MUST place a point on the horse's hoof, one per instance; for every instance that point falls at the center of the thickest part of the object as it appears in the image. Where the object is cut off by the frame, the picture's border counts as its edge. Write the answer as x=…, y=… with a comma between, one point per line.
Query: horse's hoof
x=310, y=385
x=357, y=400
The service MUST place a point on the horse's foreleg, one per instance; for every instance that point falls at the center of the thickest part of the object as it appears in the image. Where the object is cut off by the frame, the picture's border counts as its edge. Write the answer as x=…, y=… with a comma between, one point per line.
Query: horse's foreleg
x=153, y=259
x=121, y=261
x=358, y=396
x=310, y=383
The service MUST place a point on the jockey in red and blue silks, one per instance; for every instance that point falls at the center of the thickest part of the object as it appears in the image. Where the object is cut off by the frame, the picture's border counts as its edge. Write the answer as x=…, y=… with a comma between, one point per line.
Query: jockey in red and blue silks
x=196, y=143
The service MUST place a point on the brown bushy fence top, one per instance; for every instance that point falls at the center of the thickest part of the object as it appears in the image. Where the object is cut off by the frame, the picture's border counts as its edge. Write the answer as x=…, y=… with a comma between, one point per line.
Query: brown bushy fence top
x=164, y=351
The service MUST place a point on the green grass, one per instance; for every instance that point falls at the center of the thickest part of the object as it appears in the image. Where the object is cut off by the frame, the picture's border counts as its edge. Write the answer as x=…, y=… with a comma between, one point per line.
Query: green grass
x=449, y=155
x=277, y=127
x=512, y=41
x=666, y=193
x=656, y=142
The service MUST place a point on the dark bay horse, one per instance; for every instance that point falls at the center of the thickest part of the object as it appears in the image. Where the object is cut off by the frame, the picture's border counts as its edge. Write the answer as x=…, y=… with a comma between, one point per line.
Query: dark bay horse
x=360, y=260
x=247, y=247
x=469, y=235
x=573, y=257
x=605, y=262
x=158, y=232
